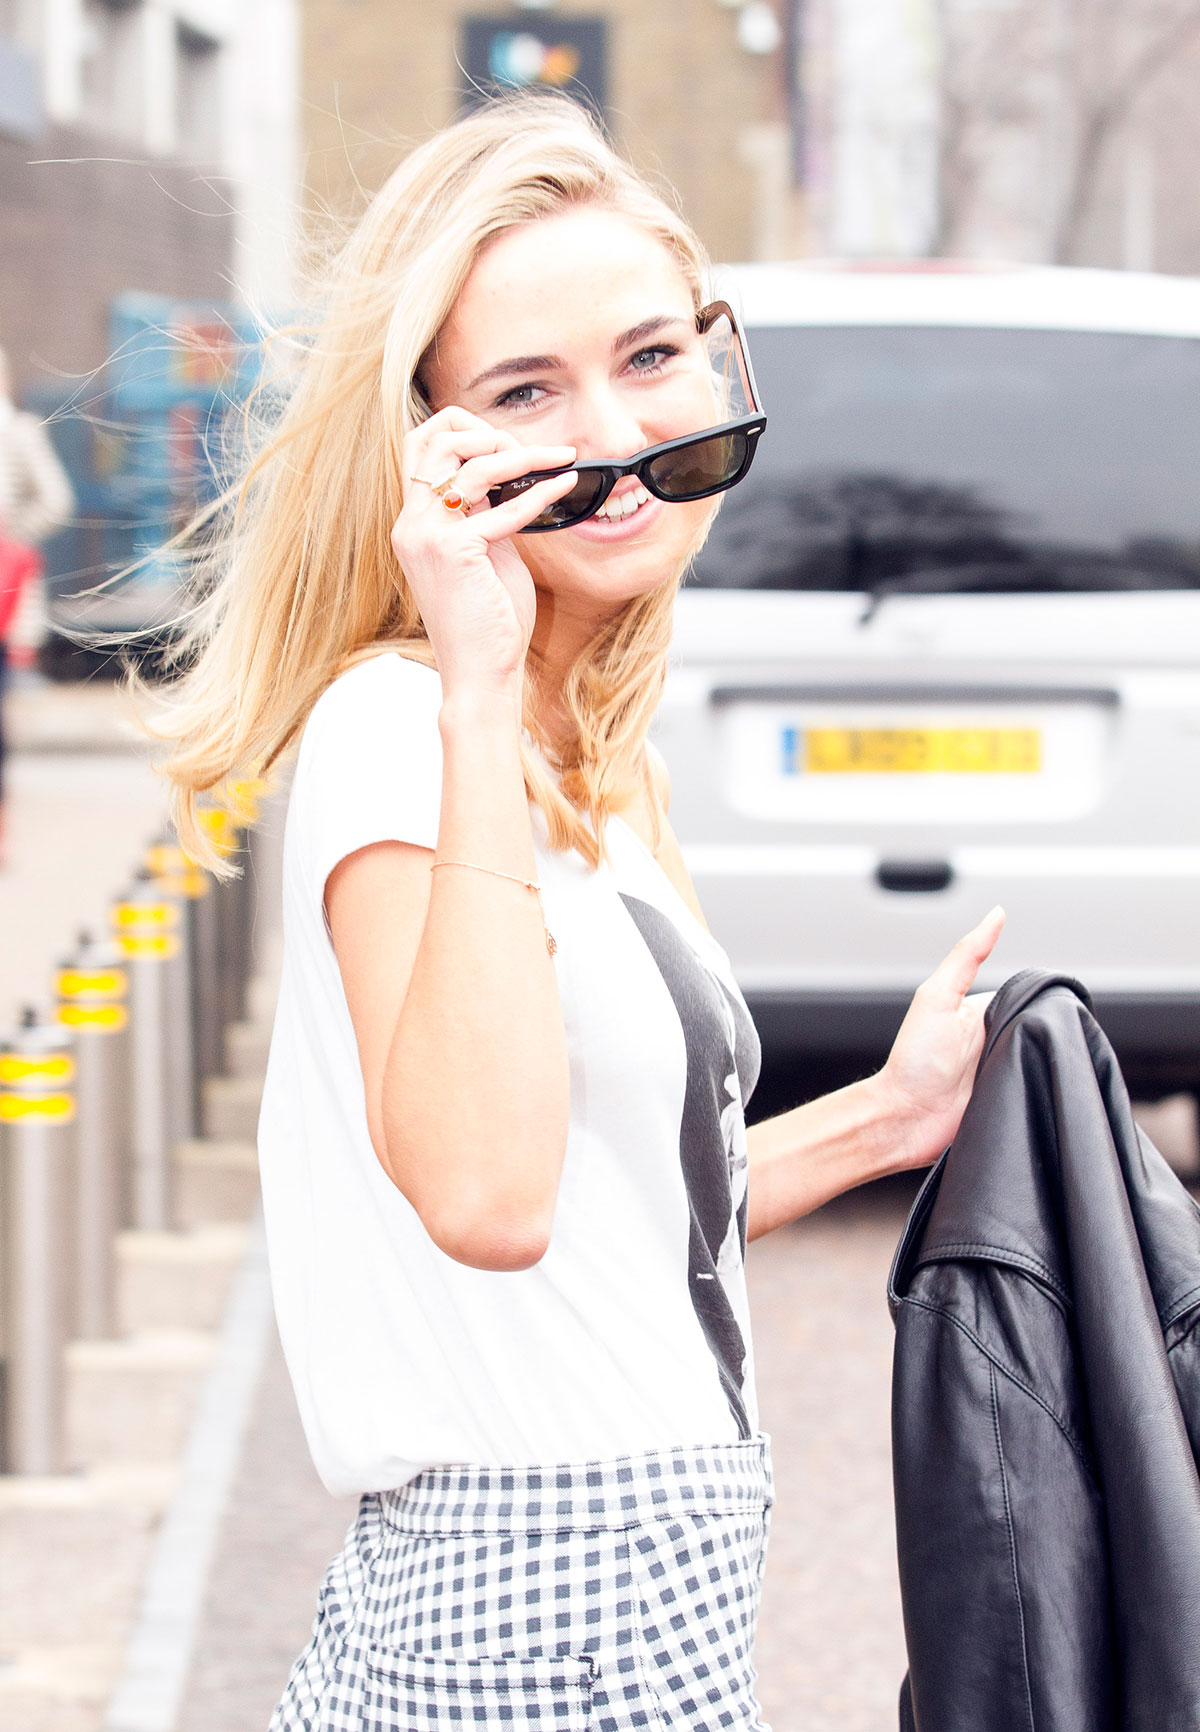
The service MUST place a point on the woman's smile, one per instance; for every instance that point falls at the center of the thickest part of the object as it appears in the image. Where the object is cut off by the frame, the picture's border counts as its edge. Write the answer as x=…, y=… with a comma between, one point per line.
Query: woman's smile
x=622, y=516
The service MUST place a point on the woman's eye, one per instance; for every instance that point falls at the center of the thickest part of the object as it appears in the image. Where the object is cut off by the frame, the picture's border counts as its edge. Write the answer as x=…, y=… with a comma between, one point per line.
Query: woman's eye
x=520, y=397
x=650, y=360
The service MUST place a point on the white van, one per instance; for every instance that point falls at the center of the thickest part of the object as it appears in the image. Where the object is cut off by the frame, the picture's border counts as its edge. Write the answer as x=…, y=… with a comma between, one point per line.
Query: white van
x=942, y=650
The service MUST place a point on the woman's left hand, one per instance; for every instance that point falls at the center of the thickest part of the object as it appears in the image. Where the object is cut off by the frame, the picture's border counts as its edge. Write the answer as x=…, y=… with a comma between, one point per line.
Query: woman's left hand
x=931, y=1068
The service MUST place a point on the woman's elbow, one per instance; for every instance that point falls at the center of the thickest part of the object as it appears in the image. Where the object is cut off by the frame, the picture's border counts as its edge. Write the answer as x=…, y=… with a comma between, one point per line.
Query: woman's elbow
x=499, y=1231
x=503, y=1239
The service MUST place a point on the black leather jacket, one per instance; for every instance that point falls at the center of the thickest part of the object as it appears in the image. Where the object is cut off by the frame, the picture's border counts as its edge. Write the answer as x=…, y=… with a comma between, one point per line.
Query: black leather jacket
x=1046, y=1400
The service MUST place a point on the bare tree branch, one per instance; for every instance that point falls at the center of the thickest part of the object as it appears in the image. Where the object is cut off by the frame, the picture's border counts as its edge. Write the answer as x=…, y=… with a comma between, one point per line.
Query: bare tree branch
x=985, y=85
x=1104, y=109
x=1075, y=68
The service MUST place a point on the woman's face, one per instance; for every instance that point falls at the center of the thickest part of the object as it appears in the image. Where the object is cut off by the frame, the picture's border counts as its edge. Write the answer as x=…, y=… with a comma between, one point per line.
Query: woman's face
x=580, y=329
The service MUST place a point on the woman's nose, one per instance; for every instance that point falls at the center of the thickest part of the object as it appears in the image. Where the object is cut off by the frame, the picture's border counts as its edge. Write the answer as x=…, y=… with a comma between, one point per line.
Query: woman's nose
x=604, y=426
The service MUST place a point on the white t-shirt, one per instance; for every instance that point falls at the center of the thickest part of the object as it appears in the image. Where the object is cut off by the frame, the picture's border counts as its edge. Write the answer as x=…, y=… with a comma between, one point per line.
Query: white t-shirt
x=632, y=1332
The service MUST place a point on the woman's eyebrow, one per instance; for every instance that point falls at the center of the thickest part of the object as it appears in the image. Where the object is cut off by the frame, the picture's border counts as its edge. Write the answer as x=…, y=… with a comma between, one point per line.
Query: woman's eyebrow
x=650, y=328
x=517, y=364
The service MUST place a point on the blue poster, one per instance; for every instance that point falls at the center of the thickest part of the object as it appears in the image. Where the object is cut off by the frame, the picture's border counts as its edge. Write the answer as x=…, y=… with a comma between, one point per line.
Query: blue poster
x=523, y=52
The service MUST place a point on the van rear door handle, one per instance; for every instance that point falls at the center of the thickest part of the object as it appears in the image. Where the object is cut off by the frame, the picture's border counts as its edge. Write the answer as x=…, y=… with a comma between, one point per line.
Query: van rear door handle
x=921, y=876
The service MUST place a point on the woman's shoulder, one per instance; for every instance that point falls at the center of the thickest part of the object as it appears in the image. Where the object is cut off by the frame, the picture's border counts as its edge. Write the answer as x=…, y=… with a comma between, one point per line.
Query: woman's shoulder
x=388, y=687
x=370, y=761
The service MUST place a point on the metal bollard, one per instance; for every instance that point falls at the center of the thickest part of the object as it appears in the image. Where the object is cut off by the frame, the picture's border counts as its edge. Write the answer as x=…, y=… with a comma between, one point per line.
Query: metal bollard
x=37, y=1107
x=265, y=867
x=92, y=986
x=245, y=807
x=223, y=833
x=146, y=929
x=183, y=1112
x=177, y=875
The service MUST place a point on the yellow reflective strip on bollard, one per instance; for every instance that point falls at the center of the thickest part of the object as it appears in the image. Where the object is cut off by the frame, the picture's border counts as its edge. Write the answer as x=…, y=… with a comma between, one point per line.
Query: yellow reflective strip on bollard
x=145, y=914
x=164, y=945
x=15, y=1108
x=167, y=857
x=110, y=1016
x=92, y=982
x=242, y=798
x=219, y=827
x=18, y=1067
x=193, y=885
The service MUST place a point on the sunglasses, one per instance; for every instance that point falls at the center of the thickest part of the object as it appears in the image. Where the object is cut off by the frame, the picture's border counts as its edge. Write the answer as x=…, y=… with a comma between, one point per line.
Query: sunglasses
x=693, y=467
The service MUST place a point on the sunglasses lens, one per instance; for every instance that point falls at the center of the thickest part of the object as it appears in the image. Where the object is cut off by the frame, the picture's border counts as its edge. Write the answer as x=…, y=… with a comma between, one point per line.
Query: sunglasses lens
x=703, y=467
x=579, y=503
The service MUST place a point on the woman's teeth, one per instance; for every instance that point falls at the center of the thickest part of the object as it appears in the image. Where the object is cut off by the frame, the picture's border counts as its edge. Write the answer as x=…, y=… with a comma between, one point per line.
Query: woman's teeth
x=623, y=504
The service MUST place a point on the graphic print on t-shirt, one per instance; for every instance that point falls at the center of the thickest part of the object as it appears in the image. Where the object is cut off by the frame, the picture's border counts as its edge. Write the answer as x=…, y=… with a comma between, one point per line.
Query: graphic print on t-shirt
x=722, y=1068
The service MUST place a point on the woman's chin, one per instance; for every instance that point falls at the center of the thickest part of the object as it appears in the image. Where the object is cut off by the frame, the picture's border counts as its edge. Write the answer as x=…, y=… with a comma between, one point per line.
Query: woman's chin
x=613, y=565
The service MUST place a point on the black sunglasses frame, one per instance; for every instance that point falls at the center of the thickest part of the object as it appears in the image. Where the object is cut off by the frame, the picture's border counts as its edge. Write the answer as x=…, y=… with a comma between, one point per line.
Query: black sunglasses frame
x=612, y=470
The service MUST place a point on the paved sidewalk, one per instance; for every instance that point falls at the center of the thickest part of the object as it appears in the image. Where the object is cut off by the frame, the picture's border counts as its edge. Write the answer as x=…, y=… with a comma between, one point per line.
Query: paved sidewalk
x=281, y=1528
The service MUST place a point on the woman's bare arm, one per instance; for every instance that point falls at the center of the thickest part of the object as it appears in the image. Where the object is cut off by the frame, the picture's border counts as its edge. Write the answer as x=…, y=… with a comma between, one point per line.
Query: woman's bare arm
x=902, y=1118
x=455, y=1006
x=450, y=987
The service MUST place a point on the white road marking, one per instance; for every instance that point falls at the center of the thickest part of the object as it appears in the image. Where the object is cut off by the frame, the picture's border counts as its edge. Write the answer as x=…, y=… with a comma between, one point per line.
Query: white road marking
x=150, y=1690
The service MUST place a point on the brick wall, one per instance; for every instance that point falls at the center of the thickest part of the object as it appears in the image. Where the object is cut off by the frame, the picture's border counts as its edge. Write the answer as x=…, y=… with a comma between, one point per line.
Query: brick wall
x=76, y=231
x=380, y=75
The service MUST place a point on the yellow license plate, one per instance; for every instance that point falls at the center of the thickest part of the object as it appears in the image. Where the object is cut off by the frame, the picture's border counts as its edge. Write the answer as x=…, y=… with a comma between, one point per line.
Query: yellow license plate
x=914, y=751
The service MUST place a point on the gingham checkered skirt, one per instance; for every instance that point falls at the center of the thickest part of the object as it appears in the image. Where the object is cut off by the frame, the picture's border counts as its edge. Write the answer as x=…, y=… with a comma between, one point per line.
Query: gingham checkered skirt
x=588, y=1598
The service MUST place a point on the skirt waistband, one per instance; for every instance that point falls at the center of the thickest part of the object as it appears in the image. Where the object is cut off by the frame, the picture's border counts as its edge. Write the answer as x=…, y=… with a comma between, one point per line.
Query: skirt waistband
x=699, y=1479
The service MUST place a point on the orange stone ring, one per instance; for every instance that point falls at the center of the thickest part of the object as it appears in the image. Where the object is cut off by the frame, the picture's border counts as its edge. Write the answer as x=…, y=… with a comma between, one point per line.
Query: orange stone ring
x=454, y=501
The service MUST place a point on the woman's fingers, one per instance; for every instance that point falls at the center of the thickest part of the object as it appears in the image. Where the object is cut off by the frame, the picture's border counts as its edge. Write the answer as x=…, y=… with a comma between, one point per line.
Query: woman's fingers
x=451, y=420
x=443, y=442
x=500, y=521
x=954, y=976
x=473, y=459
x=440, y=457
x=476, y=478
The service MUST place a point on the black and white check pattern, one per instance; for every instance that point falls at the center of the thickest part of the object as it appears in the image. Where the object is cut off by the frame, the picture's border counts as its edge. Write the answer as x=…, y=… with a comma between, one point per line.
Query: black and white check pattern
x=600, y=1597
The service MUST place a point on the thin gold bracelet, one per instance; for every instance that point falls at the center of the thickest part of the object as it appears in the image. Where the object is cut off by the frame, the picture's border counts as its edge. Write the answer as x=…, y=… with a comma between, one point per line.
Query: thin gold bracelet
x=526, y=883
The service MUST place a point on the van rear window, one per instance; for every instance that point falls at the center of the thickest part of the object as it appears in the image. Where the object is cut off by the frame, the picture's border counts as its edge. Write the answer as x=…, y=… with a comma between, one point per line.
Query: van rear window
x=953, y=460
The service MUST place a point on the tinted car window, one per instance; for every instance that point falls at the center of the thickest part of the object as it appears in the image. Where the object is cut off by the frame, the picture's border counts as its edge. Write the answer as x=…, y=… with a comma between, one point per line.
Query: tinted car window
x=943, y=459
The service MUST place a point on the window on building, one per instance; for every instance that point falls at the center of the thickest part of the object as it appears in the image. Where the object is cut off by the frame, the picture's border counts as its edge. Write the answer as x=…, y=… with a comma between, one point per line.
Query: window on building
x=197, y=95
x=113, y=83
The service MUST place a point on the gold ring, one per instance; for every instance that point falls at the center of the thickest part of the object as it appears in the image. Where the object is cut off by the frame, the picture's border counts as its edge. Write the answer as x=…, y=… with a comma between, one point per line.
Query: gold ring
x=455, y=501
x=435, y=486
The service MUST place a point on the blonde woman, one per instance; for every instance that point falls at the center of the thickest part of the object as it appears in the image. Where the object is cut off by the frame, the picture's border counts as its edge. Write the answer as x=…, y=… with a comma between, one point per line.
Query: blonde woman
x=505, y=1166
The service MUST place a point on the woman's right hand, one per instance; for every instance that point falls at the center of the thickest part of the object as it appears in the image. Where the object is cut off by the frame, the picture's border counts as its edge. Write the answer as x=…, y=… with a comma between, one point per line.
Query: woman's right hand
x=473, y=589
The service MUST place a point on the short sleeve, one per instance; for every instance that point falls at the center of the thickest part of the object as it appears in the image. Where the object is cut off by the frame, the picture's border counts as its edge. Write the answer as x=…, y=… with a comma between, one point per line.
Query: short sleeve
x=369, y=767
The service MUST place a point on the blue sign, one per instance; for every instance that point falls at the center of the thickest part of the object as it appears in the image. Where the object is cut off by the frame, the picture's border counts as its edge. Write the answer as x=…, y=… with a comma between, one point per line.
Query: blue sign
x=526, y=53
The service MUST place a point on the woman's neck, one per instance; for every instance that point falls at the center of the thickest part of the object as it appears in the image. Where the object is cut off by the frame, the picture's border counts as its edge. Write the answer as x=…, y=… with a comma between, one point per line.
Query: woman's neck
x=560, y=636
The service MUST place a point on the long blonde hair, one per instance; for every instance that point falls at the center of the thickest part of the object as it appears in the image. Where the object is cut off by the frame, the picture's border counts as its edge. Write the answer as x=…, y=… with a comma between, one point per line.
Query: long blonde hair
x=299, y=575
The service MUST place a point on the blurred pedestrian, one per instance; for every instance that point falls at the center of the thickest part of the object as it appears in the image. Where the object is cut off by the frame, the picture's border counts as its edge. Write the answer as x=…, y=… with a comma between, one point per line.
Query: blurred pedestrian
x=506, y=1171
x=35, y=500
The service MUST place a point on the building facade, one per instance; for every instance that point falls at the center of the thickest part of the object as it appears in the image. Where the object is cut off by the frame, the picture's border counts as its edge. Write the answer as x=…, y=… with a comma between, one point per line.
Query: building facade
x=694, y=91
x=144, y=144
